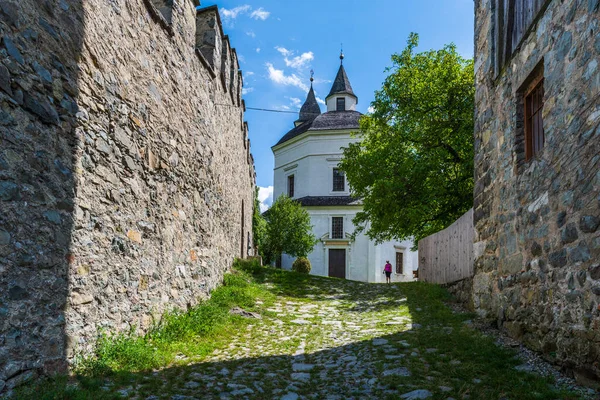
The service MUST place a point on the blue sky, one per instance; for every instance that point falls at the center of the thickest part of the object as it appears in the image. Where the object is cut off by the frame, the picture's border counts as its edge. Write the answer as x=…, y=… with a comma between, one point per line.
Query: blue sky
x=280, y=41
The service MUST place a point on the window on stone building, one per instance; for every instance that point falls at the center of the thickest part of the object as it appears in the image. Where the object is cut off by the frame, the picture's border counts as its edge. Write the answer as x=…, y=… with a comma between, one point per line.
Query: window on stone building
x=534, y=126
x=341, y=104
x=339, y=180
x=513, y=20
x=290, y=186
x=162, y=9
x=399, y=262
x=530, y=138
x=337, y=227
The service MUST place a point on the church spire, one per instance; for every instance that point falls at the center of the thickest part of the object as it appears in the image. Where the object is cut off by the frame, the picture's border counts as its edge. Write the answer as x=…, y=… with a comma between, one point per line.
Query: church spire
x=310, y=109
x=341, y=84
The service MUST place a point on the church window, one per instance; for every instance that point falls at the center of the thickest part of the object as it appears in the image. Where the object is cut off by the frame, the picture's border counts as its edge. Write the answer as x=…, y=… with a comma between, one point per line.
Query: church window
x=340, y=104
x=291, y=186
x=339, y=180
x=337, y=227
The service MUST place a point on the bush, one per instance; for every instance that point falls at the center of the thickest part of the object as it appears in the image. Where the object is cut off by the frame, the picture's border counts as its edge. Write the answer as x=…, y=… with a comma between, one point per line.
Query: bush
x=302, y=265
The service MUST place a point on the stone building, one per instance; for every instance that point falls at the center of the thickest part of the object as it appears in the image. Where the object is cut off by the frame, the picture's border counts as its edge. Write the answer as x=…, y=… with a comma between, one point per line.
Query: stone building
x=126, y=179
x=537, y=163
x=306, y=169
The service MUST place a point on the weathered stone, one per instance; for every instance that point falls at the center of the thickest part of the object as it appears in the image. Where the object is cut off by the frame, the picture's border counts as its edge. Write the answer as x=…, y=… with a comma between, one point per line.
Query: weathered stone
x=5, y=80
x=12, y=50
x=558, y=259
x=569, y=234
x=595, y=272
x=581, y=278
x=53, y=216
x=581, y=253
x=8, y=191
x=536, y=249
x=417, y=394
x=42, y=72
x=41, y=108
x=589, y=223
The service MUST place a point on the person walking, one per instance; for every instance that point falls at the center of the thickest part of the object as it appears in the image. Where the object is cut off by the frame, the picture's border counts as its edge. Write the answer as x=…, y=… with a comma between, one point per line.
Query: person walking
x=387, y=270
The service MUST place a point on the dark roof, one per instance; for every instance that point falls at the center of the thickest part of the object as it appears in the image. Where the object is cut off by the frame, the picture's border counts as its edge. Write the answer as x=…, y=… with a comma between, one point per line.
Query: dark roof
x=297, y=131
x=328, y=121
x=336, y=120
x=341, y=84
x=310, y=109
x=322, y=201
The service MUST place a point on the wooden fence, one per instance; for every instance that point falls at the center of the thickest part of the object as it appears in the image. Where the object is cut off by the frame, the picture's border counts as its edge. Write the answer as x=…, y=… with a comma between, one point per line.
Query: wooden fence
x=447, y=256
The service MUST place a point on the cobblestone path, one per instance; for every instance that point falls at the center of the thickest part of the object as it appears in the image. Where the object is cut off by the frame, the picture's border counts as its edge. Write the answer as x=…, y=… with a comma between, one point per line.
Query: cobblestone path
x=336, y=339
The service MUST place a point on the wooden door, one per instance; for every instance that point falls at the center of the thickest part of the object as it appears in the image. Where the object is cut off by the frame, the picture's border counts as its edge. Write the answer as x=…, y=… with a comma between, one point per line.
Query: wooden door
x=337, y=263
x=399, y=263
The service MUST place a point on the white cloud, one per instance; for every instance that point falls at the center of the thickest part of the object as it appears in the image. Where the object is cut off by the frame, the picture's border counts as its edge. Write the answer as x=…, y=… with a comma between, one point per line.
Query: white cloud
x=296, y=102
x=234, y=12
x=247, y=90
x=261, y=14
x=258, y=49
x=300, y=61
x=279, y=77
x=251, y=34
x=320, y=101
x=248, y=74
x=370, y=110
x=296, y=62
x=265, y=197
x=241, y=58
x=285, y=52
x=229, y=15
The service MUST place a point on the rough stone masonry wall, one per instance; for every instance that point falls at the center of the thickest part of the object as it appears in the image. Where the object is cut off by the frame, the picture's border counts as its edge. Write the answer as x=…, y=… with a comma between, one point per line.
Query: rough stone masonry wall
x=537, y=270
x=126, y=180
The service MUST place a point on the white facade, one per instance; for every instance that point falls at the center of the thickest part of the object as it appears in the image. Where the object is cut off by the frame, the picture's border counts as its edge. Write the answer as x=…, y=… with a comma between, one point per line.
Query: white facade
x=310, y=156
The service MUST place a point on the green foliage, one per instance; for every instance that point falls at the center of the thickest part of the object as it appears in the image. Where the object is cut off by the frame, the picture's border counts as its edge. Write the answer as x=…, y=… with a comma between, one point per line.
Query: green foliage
x=259, y=225
x=414, y=167
x=302, y=265
x=288, y=230
x=196, y=331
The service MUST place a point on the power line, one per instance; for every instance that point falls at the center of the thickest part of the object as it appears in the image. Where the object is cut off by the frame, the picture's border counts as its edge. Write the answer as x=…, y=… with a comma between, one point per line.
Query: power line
x=266, y=109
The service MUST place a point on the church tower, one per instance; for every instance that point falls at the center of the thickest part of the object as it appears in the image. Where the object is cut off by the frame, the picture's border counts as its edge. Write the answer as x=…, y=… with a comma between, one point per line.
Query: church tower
x=341, y=97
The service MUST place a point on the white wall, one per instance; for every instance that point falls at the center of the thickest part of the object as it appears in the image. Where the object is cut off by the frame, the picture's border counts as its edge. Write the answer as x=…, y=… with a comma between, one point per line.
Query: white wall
x=311, y=160
x=364, y=259
x=350, y=102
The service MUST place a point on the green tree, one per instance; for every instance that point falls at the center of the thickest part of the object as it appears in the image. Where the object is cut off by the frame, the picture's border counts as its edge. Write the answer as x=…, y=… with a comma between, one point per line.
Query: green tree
x=413, y=168
x=259, y=225
x=288, y=230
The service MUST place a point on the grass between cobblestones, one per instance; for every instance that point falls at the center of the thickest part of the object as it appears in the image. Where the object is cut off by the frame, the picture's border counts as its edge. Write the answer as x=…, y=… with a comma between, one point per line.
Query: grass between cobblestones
x=353, y=340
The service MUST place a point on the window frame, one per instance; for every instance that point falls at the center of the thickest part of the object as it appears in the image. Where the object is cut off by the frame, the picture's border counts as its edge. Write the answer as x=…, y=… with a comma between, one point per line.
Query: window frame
x=533, y=119
x=291, y=189
x=333, y=177
x=401, y=263
x=334, y=234
x=337, y=103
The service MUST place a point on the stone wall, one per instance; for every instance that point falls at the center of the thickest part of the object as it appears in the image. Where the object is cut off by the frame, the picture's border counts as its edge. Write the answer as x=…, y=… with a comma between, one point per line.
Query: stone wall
x=126, y=179
x=537, y=222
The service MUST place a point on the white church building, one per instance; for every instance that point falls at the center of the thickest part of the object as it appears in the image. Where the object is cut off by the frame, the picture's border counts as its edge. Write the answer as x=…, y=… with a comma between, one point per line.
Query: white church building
x=306, y=169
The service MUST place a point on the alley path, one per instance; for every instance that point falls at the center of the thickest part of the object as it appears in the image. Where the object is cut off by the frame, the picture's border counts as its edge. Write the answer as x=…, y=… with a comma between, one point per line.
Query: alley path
x=332, y=339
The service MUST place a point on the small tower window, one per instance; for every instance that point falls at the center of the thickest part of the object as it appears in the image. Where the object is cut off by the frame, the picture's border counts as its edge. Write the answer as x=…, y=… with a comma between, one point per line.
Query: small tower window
x=341, y=104
x=339, y=181
x=291, y=186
